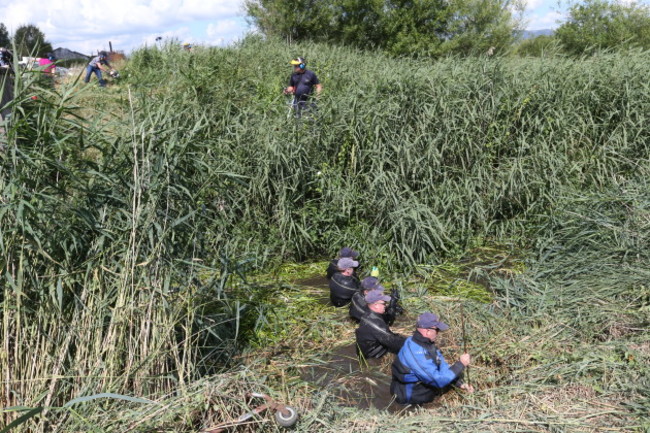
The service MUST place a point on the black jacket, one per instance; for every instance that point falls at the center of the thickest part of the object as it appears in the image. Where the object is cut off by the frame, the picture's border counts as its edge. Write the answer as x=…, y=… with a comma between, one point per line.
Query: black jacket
x=332, y=269
x=342, y=288
x=374, y=338
x=358, y=306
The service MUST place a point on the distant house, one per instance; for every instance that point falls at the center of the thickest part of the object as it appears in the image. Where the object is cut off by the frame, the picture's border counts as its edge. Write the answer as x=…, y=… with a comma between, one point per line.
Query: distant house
x=66, y=54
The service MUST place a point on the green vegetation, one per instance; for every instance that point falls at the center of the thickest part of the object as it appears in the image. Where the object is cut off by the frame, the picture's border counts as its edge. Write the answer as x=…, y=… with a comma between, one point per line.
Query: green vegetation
x=147, y=227
x=30, y=40
x=601, y=24
x=420, y=28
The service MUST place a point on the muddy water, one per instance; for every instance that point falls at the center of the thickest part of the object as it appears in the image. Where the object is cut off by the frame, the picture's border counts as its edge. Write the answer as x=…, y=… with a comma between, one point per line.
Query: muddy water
x=354, y=382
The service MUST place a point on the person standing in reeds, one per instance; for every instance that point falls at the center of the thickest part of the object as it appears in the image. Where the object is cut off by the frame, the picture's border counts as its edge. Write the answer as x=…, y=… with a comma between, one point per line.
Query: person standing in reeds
x=332, y=267
x=6, y=72
x=344, y=284
x=98, y=64
x=301, y=85
x=374, y=337
x=420, y=372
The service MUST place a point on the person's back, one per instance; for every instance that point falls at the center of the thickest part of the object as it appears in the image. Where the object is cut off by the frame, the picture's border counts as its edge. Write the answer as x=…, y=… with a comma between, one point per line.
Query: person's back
x=342, y=288
x=358, y=306
x=331, y=269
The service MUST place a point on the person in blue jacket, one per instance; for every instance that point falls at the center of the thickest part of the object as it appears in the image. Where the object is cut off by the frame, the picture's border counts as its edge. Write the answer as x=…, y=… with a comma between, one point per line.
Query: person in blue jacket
x=420, y=372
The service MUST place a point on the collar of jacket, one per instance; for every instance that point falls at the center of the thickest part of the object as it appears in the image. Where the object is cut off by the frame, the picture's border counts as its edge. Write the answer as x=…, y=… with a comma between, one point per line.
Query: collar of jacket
x=424, y=341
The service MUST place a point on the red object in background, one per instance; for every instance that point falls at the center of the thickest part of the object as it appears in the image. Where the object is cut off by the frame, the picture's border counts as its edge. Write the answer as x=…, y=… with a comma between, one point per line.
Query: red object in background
x=34, y=98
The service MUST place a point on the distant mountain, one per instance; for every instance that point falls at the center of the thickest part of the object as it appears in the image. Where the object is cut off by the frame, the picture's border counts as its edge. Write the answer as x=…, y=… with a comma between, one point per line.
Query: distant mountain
x=528, y=34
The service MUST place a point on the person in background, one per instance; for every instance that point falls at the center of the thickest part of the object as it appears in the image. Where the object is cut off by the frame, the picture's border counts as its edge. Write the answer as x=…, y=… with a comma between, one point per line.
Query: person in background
x=98, y=64
x=187, y=46
x=48, y=64
x=358, y=305
x=332, y=268
x=7, y=82
x=420, y=372
x=344, y=284
x=301, y=85
x=374, y=337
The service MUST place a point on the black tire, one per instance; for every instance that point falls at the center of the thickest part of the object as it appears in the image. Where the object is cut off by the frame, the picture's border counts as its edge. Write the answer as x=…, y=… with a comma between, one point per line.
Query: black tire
x=289, y=420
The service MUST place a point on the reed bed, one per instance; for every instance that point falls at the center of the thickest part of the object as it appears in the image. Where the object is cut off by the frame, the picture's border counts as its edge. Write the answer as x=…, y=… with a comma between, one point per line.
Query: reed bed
x=140, y=224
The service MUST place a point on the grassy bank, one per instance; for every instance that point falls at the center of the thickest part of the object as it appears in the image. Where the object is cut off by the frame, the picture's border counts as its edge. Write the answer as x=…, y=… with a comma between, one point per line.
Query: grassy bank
x=146, y=229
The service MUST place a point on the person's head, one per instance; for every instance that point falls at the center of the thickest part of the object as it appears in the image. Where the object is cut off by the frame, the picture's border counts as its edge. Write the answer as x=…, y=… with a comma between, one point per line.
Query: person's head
x=50, y=56
x=348, y=252
x=370, y=283
x=346, y=265
x=299, y=64
x=429, y=324
x=187, y=46
x=103, y=55
x=377, y=301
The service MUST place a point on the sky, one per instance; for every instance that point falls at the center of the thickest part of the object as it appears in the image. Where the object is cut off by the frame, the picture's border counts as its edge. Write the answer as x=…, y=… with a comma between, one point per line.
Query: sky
x=87, y=26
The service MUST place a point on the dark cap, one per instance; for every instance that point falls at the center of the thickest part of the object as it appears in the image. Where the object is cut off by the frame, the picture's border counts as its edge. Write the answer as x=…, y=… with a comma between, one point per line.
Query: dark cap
x=430, y=320
x=346, y=263
x=370, y=283
x=376, y=296
x=348, y=252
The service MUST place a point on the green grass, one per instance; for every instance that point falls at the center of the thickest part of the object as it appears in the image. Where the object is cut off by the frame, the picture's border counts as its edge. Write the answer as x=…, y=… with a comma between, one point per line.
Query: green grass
x=147, y=230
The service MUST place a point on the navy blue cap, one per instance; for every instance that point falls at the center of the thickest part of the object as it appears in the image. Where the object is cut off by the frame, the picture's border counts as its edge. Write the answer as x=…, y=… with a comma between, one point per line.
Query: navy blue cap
x=376, y=296
x=370, y=283
x=430, y=320
x=346, y=263
x=348, y=252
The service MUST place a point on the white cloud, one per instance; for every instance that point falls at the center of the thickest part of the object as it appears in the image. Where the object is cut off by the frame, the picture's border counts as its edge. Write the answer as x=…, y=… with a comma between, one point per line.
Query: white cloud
x=533, y=4
x=88, y=25
x=222, y=32
x=549, y=20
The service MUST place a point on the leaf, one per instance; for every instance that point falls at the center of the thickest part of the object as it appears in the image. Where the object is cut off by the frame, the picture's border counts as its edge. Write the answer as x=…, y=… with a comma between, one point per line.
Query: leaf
x=24, y=418
x=107, y=395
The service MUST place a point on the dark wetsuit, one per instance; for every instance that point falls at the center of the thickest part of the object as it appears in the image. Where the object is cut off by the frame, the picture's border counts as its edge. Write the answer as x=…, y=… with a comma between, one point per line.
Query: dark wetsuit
x=358, y=306
x=342, y=288
x=374, y=338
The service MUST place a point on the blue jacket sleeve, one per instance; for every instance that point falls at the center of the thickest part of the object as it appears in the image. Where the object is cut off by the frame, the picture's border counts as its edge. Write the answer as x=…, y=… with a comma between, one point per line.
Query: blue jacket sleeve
x=426, y=370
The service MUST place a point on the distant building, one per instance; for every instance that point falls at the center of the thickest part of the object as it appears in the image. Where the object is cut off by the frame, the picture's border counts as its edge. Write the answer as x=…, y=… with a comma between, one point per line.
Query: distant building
x=66, y=54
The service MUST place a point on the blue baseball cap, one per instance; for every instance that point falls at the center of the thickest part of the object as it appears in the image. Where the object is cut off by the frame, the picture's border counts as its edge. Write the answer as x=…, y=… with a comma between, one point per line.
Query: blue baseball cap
x=346, y=263
x=376, y=296
x=430, y=320
x=348, y=252
x=370, y=283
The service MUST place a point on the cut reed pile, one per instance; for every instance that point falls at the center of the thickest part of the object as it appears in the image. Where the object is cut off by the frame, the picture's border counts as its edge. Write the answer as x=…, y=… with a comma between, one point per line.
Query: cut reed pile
x=129, y=224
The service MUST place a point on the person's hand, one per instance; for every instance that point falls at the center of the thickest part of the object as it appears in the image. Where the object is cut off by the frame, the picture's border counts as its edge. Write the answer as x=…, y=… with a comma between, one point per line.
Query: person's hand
x=465, y=359
x=467, y=388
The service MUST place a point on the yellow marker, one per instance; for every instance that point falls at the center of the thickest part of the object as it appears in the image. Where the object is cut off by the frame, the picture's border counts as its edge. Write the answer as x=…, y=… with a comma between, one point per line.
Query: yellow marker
x=374, y=272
